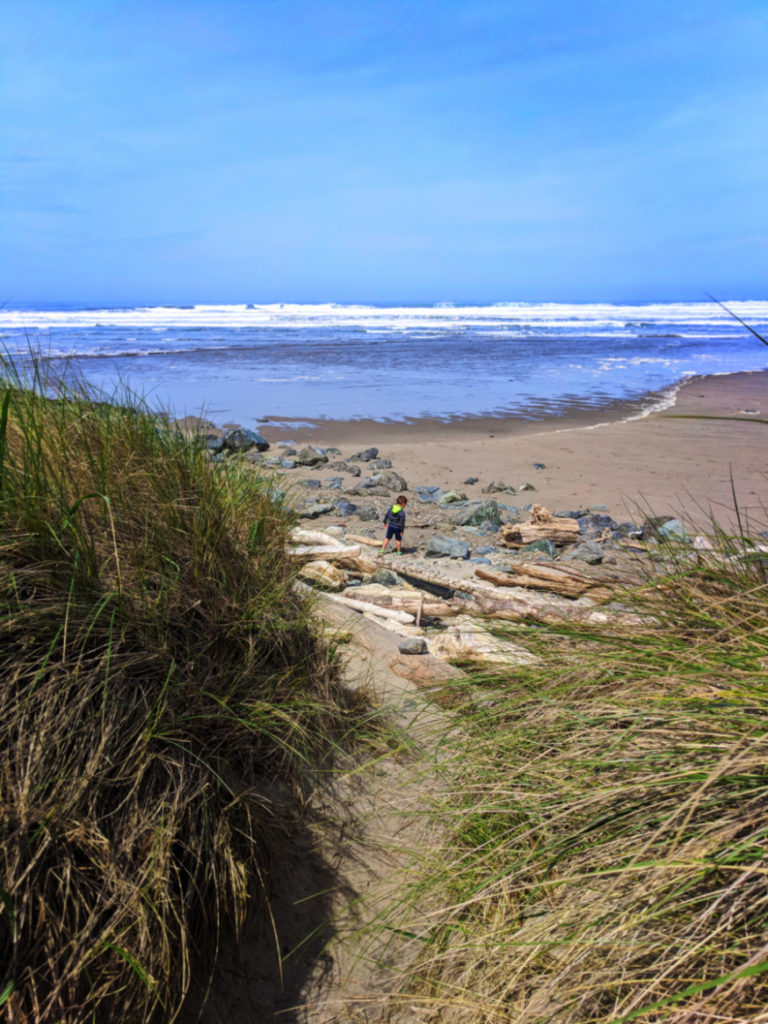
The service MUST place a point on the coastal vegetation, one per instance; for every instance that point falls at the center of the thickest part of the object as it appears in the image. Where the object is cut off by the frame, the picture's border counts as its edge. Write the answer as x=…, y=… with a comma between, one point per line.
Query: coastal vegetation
x=166, y=702
x=605, y=818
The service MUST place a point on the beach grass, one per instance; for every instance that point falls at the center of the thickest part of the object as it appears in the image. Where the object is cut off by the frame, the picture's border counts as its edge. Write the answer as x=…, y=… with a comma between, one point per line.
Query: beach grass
x=166, y=703
x=605, y=819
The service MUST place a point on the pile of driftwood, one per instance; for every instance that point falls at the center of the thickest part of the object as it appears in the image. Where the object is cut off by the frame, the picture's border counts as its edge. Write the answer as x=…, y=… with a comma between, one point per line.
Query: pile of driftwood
x=544, y=592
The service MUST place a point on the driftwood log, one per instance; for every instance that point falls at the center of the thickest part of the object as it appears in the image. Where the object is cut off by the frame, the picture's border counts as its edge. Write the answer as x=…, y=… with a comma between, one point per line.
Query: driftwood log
x=417, y=604
x=367, y=606
x=542, y=526
x=560, y=580
x=324, y=574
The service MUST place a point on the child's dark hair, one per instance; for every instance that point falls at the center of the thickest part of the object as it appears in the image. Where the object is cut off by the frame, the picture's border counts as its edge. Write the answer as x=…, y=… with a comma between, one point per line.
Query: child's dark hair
x=402, y=500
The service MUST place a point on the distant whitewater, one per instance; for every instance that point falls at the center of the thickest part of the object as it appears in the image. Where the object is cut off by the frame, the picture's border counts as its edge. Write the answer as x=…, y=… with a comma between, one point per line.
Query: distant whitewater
x=294, y=361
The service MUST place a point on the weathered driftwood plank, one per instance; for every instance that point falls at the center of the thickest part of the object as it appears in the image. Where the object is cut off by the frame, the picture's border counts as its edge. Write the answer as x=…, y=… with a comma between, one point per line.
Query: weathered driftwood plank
x=567, y=582
x=542, y=526
x=300, y=536
x=320, y=551
x=359, y=563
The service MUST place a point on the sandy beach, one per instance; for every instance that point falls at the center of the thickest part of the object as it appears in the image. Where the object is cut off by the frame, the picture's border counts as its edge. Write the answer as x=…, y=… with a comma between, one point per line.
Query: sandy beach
x=685, y=459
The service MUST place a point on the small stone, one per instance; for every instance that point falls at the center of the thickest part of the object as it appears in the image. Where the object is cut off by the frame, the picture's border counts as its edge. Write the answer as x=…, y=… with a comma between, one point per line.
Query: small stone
x=446, y=547
x=379, y=464
x=311, y=456
x=539, y=465
x=332, y=451
x=484, y=551
x=335, y=531
x=288, y=463
x=314, y=484
x=480, y=561
x=526, y=487
x=412, y=645
x=599, y=508
x=471, y=480
x=286, y=445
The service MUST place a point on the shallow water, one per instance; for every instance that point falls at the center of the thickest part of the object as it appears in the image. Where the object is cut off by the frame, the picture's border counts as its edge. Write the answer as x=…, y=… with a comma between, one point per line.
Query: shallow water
x=244, y=363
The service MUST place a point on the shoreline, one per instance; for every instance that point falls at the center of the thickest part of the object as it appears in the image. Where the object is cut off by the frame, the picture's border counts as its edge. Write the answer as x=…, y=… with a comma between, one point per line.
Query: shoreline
x=685, y=459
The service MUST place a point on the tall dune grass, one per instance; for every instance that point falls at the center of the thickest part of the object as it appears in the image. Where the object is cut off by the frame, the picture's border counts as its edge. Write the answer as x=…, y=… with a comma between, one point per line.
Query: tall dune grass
x=164, y=698
x=607, y=849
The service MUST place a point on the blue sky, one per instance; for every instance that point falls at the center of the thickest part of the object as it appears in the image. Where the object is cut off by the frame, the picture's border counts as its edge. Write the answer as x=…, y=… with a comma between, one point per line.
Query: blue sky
x=350, y=150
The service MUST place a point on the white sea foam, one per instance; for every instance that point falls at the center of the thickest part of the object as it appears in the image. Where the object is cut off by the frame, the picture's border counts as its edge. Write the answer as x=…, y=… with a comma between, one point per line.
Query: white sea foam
x=560, y=316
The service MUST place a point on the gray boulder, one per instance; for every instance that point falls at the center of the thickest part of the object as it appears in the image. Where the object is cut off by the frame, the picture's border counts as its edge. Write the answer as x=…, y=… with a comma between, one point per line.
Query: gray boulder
x=631, y=530
x=592, y=526
x=312, y=484
x=386, y=577
x=489, y=512
x=346, y=508
x=389, y=478
x=315, y=510
x=471, y=480
x=369, y=515
x=379, y=464
x=365, y=456
x=674, y=531
x=497, y=486
x=311, y=456
x=334, y=483
x=374, y=490
x=543, y=546
x=288, y=463
x=446, y=547
x=243, y=440
x=214, y=444
x=451, y=497
x=588, y=552
x=412, y=645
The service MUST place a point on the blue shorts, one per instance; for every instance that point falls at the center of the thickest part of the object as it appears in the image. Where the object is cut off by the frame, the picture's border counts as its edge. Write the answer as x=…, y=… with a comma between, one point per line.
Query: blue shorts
x=394, y=531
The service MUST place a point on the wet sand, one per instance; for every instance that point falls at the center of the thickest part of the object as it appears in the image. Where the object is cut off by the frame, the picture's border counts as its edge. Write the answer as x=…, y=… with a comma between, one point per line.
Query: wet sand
x=681, y=460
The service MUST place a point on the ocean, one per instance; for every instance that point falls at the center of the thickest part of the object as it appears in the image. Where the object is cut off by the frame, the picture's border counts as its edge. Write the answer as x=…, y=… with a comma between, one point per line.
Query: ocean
x=246, y=363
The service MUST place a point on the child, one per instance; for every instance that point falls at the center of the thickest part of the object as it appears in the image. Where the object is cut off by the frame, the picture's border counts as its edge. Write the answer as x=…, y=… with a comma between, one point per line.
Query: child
x=394, y=521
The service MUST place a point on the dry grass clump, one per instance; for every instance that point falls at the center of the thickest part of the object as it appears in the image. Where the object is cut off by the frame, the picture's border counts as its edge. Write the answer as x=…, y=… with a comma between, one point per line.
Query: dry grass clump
x=163, y=698
x=608, y=859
